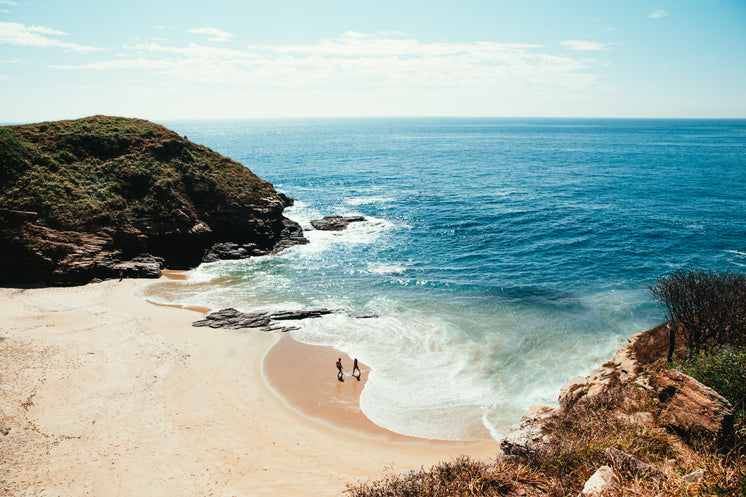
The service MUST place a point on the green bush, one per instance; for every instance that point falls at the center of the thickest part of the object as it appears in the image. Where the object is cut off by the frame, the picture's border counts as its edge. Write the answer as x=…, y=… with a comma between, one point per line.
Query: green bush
x=724, y=371
x=13, y=155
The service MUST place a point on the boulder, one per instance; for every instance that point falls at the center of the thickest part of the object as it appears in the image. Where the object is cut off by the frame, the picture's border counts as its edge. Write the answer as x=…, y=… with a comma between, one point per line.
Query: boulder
x=601, y=484
x=529, y=435
x=689, y=407
x=141, y=266
x=335, y=222
x=231, y=250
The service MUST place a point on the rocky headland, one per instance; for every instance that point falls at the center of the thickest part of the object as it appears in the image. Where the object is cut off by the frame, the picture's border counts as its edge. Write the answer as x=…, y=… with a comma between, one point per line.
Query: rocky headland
x=106, y=197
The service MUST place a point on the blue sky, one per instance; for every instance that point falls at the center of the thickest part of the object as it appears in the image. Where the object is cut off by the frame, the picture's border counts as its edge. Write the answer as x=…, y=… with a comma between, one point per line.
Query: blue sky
x=164, y=60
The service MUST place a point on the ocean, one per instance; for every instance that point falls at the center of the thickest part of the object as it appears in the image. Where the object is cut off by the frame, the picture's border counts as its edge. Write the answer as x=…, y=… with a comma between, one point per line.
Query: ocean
x=502, y=257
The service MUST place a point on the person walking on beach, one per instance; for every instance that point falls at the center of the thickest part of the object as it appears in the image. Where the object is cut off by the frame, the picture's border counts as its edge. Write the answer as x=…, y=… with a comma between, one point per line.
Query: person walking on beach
x=339, y=368
x=356, y=368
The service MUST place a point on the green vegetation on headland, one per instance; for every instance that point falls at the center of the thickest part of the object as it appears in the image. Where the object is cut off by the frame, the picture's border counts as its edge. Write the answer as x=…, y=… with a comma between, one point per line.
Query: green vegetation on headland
x=84, y=173
x=635, y=427
x=81, y=198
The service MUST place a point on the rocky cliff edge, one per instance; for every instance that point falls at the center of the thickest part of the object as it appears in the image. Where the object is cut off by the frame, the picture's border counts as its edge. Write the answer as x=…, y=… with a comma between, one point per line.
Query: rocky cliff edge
x=105, y=197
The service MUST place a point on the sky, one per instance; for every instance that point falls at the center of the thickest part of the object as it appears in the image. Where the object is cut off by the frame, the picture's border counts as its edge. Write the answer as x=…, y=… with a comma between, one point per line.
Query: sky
x=164, y=60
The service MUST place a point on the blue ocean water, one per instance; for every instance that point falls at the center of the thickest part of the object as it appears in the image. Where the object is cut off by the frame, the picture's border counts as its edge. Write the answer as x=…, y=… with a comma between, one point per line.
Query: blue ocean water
x=501, y=256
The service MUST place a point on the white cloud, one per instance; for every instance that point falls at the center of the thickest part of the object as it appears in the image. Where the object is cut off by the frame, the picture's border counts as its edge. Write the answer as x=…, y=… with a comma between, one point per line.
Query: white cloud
x=360, y=67
x=45, y=31
x=13, y=33
x=583, y=46
x=8, y=2
x=213, y=34
x=657, y=14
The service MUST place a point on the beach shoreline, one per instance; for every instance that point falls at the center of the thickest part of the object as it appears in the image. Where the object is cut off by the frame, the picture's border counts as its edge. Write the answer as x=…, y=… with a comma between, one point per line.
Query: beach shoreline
x=99, y=387
x=305, y=378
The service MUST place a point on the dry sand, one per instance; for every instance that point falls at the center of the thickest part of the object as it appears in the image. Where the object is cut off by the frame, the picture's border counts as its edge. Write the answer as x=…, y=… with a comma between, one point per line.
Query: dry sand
x=102, y=394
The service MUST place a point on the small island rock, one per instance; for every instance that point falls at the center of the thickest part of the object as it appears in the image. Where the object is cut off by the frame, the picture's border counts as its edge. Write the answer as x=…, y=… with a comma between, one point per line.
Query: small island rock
x=335, y=222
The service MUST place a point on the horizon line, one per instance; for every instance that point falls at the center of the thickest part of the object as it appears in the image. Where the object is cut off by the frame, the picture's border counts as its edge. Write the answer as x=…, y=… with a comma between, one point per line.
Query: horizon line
x=342, y=117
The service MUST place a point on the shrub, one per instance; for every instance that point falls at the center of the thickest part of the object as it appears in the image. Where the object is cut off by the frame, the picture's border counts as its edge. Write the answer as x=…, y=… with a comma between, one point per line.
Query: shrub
x=724, y=371
x=708, y=307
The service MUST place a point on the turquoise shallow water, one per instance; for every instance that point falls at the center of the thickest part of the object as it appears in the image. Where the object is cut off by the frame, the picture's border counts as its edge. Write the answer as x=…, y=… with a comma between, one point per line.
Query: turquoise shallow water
x=502, y=257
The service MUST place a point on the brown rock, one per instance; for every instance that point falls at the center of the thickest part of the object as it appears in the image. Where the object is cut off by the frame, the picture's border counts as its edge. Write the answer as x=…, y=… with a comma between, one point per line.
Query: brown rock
x=642, y=350
x=689, y=407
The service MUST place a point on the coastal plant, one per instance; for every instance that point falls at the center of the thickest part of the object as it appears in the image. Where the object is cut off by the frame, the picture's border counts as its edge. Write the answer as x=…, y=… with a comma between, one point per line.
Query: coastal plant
x=707, y=307
x=724, y=371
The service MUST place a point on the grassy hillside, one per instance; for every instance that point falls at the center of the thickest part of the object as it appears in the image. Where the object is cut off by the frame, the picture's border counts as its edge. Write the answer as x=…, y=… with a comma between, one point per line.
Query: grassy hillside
x=88, y=172
x=79, y=199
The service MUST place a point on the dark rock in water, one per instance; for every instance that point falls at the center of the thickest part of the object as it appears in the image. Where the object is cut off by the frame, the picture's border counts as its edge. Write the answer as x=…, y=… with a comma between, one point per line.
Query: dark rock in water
x=365, y=316
x=85, y=199
x=312, y=313
x=234, y=319
x=231, y=250
x=291, y=234
x=335, y=222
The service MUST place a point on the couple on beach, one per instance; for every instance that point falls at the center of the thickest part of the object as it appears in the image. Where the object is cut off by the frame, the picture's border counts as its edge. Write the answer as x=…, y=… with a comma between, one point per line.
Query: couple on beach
x=355, y=367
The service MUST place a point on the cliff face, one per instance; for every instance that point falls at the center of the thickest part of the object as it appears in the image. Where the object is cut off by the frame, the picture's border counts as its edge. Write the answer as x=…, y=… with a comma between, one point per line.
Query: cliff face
x=105, y=196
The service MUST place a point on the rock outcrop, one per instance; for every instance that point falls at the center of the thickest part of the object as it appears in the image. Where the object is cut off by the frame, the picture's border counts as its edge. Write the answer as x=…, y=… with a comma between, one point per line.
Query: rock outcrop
x=530, y=435
x=689, y=407
x=635, y=389
x=642, y=350
x=104, y=197
x=233, y=319
x=335, y=222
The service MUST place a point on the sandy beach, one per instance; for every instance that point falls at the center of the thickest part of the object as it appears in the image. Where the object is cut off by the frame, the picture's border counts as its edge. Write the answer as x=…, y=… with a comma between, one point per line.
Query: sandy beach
x=102, y=393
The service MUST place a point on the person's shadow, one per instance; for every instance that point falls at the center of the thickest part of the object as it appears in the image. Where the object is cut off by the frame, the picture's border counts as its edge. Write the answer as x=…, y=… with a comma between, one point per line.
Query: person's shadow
x=340, y=377
x=357, y=377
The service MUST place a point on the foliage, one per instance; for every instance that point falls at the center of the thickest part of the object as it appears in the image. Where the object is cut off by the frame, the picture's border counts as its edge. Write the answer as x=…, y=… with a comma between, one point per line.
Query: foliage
x=724, y=371
x=77, y=174
x=13, y=155
x=708, y=307
x=586, y=437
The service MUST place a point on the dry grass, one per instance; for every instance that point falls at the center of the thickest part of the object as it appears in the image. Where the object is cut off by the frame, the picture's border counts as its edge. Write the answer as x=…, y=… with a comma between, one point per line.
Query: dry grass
x=647, y=459
x=462, y=476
